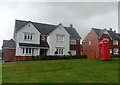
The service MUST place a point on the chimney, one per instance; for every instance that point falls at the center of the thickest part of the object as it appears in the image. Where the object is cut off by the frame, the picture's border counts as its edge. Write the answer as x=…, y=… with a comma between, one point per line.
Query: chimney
x=114, y=31
x=110, y=29
x=71, y=25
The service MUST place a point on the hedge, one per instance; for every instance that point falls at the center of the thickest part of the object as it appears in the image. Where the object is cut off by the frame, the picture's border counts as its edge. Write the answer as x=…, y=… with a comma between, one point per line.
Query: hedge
x=58, y=57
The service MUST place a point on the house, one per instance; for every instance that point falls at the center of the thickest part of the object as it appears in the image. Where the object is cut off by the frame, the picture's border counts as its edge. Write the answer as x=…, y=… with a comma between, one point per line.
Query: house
x=92, y=39
x=32, y=39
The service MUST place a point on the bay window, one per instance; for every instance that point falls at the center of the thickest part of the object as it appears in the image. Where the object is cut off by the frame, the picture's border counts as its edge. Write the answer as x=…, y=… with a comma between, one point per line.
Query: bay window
x=60, y=50
x=27, y=50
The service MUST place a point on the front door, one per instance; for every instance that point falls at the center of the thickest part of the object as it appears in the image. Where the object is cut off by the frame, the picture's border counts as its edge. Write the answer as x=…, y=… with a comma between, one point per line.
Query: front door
x=43, y=52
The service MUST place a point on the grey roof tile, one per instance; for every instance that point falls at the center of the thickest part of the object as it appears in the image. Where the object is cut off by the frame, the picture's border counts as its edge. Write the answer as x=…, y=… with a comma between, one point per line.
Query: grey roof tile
x=86, y=38
x=9, y=44
x=45, y=29
x=100, y=32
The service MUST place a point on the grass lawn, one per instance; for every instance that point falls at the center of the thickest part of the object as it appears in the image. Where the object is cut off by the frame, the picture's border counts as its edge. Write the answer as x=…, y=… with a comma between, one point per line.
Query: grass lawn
x=62, y=71
x=0, y=73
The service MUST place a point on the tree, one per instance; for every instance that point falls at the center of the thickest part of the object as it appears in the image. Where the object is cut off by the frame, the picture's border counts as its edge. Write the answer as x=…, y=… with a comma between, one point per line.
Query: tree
x=56, y=52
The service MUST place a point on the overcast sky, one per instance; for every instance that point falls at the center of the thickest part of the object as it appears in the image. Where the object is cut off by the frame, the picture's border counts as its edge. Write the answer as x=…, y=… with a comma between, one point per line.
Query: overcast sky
x=83, y=15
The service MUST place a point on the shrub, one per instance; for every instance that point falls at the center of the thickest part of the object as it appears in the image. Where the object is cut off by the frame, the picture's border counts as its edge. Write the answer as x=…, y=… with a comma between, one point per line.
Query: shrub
x=118, y=56
x=60, y=57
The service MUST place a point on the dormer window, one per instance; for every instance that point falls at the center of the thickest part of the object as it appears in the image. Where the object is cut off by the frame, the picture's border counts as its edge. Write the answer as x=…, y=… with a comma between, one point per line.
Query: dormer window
x=28, y=36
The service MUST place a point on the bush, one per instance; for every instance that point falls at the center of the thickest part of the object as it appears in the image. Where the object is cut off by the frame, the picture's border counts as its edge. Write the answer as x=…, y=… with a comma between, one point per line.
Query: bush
x=114, y=56
x=59, y=57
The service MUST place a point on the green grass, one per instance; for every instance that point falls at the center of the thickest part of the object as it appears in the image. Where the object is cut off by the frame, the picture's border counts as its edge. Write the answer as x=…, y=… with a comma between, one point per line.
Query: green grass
x=62, y=71
x=0, y=73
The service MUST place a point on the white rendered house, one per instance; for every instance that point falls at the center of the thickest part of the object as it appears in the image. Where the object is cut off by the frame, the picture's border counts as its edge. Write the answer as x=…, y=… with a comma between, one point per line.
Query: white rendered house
x=32, y=39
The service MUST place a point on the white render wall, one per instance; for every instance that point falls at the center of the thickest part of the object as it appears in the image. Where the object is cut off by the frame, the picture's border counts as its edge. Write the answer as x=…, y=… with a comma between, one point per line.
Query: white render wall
x=51, y=39
x=20, y=38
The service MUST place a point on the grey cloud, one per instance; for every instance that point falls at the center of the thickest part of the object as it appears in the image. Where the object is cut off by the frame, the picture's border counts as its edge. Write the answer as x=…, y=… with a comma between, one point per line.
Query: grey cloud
x=83, y=15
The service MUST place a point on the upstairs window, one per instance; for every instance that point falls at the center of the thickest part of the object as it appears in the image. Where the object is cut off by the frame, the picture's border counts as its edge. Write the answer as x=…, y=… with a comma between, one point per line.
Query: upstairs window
x=28, y=36
x=89, y=42
x=60, y=38
x=73, y=41
x=115, y=42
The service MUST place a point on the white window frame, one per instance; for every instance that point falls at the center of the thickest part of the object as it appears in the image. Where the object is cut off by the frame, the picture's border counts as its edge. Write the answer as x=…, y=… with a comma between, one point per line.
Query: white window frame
x=60, y=50
x=115, y=42
x=89, y=42
x=115, y=51
x=72, y=41
x=28, y=36
x=27, y=50
x=60, y=38
x=110, y=51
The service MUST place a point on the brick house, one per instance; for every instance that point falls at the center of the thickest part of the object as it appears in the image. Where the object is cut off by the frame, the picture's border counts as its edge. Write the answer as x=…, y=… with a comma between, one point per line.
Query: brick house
x=32, y=39
x=92, y=39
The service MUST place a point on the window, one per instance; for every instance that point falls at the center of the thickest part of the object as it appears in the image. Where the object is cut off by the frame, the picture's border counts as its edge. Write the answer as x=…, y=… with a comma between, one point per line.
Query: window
x=115, y=50
x=106, y=39
x=73, y=41
x=89, y=42
x=28, y=36
x=115, y=42
x=60, y=50
x=23, y=50
x=43, y=37
x=110, y=51
x=27, y=50
x=60, y=38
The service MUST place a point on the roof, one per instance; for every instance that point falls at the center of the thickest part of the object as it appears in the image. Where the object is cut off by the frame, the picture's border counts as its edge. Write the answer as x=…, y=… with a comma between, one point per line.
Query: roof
x=34, y=45
x=72, y=32
x=99, y=32
x=9, y=44
x=112, y=34
x=45, y=29
x=118, y=35
x=86, y=38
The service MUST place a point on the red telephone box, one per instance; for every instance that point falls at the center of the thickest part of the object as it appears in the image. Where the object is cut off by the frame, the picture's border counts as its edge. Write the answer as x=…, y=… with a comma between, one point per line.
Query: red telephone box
x=104, y=50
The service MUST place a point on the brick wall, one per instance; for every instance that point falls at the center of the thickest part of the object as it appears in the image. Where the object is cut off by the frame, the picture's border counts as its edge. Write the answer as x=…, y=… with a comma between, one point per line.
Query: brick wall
x=76, y=47
x=23, y=58
x=91, y=47
x=9, y=55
